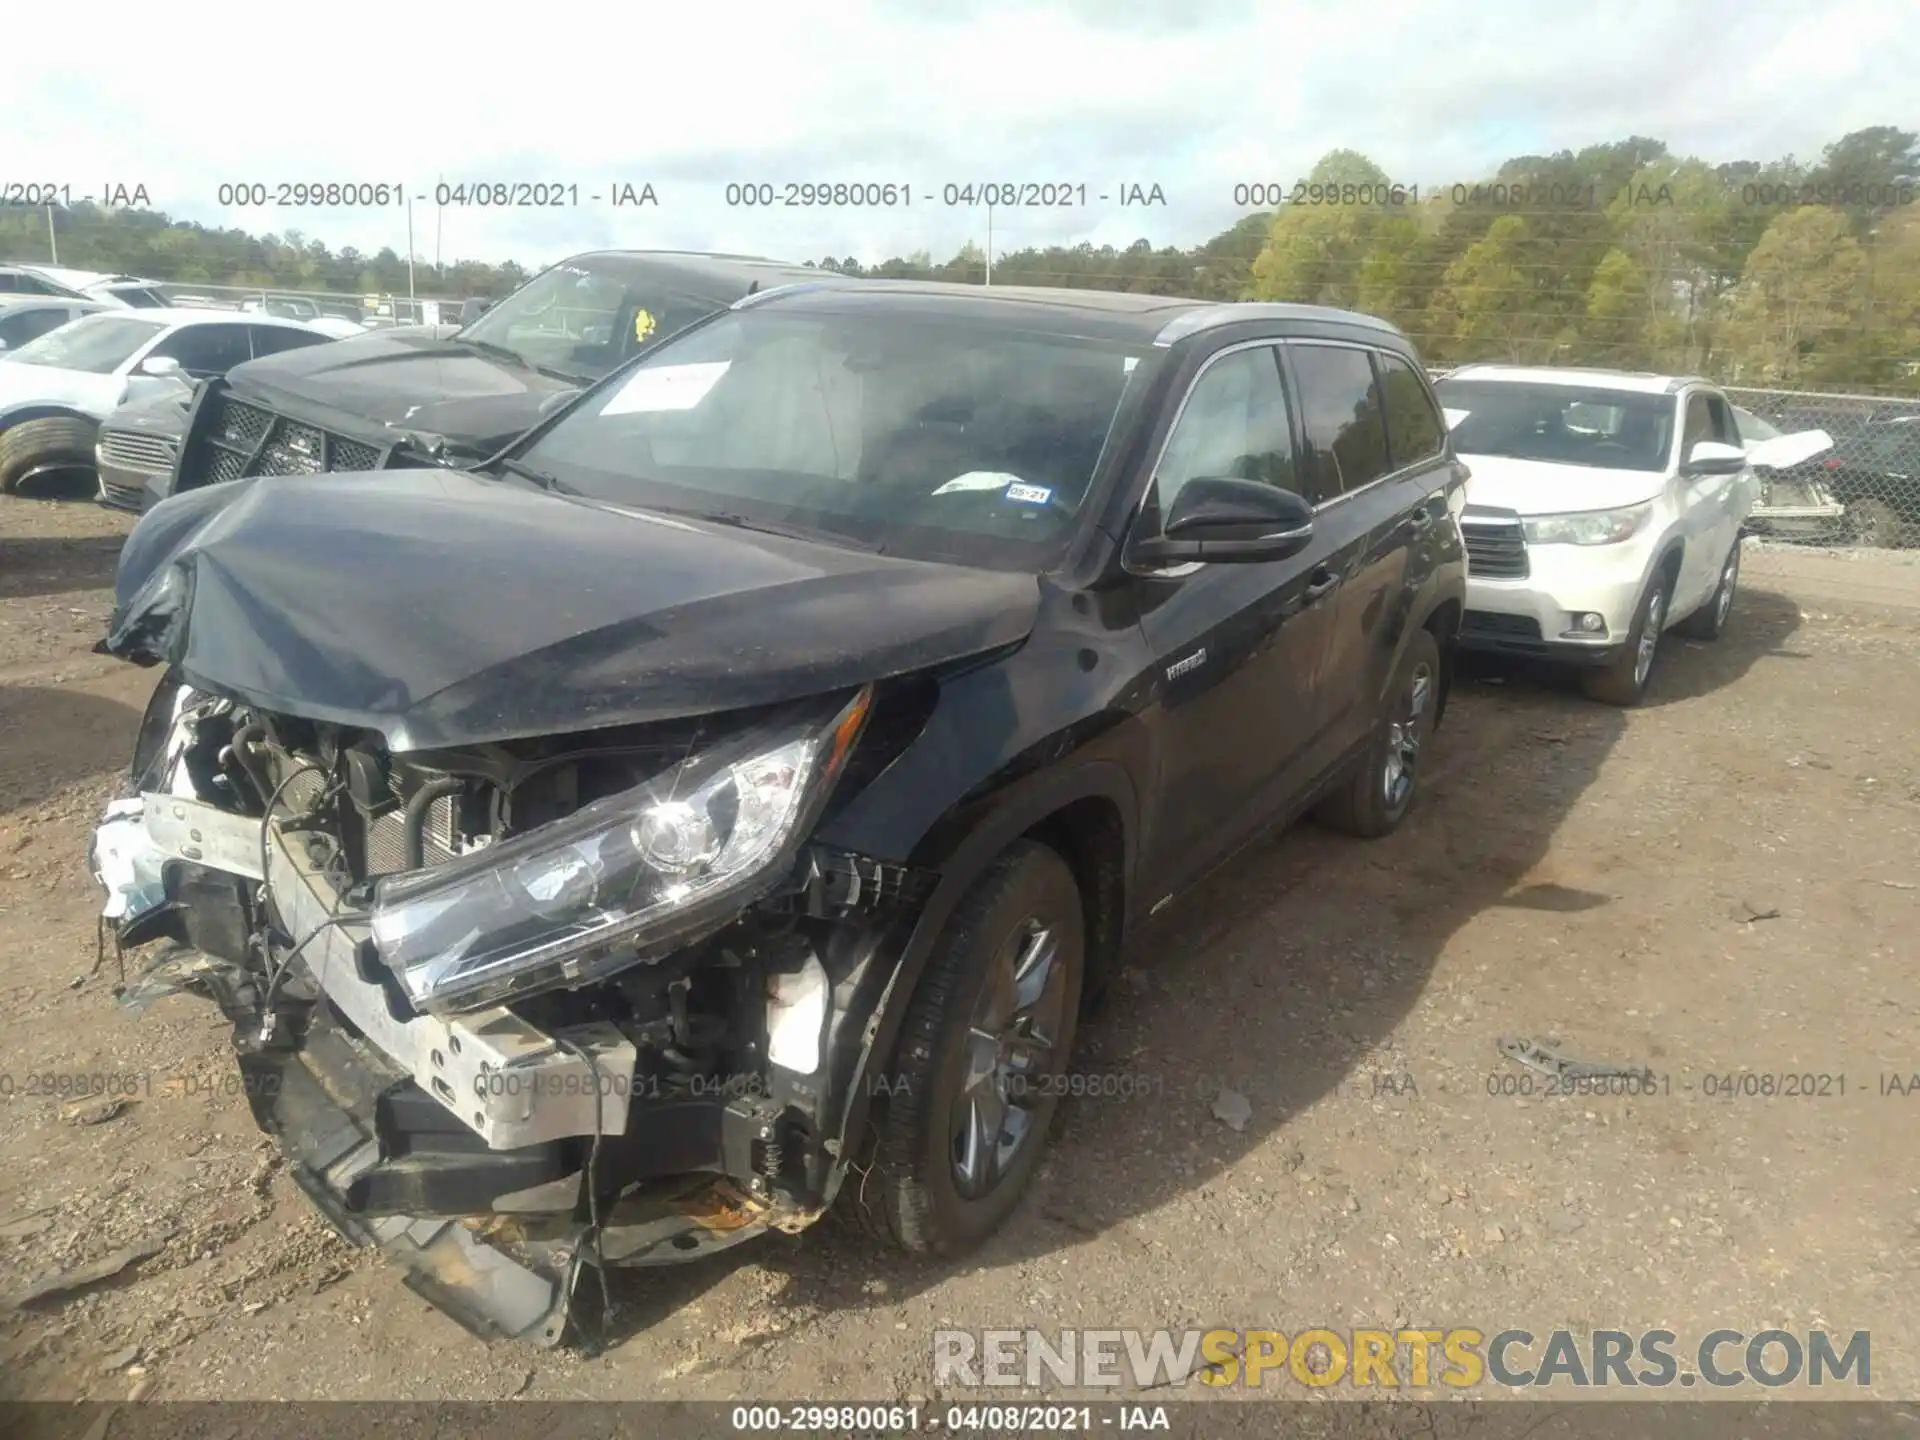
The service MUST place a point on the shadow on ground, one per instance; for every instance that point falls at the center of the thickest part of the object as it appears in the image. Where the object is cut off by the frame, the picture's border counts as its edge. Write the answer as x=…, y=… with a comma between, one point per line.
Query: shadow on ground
x=1280, y=976
x=56, y=737
x=1762, y=624
x=57, y=564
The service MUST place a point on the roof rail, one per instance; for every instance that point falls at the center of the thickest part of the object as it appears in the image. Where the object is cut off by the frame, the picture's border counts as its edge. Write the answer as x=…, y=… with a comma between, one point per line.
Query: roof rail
x=1205, y=317
x=754, y=297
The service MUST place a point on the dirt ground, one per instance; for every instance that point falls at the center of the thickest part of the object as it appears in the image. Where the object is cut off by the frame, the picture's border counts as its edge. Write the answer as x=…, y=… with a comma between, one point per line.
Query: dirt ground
x=1725, y=881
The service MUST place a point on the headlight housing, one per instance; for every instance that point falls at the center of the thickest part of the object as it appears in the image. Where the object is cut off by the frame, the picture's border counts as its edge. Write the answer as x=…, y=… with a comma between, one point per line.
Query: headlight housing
x=632, y=875
x=1589, y=527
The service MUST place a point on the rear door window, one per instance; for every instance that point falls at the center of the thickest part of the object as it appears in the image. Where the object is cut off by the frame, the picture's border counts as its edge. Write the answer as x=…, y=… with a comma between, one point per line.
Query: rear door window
x=1345, y=423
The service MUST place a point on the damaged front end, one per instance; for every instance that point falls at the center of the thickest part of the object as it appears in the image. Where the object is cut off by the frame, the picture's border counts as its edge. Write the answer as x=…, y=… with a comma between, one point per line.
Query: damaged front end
x=518, y=1009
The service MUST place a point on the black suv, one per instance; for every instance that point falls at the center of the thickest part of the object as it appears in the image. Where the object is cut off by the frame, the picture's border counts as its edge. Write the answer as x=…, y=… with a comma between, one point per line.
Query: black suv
x=779, y=744
x=431, y=394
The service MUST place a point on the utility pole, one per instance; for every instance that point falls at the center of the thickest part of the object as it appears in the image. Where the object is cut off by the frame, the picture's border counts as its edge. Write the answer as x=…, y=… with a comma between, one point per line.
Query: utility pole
x=409, y=249
x=439, y=213
x=53, y=244
x=989, y=242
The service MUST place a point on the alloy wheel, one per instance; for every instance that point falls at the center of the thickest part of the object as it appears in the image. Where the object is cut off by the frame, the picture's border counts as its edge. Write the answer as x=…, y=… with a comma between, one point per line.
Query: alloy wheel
x=1649, y=638
x=1010, y=1045
x=1403, y=737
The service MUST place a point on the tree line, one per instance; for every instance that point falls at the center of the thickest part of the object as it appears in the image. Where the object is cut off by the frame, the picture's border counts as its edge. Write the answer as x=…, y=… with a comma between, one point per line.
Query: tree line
x=1781, y=272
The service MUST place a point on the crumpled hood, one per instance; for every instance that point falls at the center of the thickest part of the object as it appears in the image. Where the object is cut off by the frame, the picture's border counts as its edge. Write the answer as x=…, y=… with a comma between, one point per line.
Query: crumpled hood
x=387, y=384
x=161, y=414
x=1535, y=487
x=443, y=608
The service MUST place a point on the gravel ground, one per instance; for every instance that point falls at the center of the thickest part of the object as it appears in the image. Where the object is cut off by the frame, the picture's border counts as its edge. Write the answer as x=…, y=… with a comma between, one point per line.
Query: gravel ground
x=1724, y=882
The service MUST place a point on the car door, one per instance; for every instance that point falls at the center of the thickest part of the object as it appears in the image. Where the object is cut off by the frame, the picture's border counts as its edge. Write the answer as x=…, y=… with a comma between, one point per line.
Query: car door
x=1374, y=446
x=1237, y=647
x=1741, y=492
x=272, y=339
x=207, y=350
x=1703, y=502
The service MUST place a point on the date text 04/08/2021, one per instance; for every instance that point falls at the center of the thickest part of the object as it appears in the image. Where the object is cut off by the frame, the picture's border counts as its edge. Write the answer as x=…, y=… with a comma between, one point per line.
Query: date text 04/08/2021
x=1045, y=1419
x=1500, y=195
x=468, y=194
x=108, y=194
x=971, y=194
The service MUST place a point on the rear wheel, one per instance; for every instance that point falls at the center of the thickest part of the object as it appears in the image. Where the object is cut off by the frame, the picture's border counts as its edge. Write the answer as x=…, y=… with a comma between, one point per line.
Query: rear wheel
x=36, y=447
x=1709, y=622
x=984, y=1044
x=1624, y=681
x=1874, y=524
x=1380, y=792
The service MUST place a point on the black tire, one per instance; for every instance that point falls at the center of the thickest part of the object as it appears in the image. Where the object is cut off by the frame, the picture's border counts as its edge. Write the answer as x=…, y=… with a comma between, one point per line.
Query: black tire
x=58, y=440
x=911, y=1194
x=1624, y=682
x=1376, y=797
x=1709, y=622
x=1874, y=524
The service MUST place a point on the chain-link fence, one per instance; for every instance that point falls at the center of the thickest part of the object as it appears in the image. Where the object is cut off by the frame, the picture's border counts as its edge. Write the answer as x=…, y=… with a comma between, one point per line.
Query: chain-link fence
x=1863, y=488
x=373, y=311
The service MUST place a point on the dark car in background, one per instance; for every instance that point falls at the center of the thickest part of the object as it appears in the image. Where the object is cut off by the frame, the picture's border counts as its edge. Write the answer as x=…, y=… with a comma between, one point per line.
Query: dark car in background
x=1876, y=475
x=412, y=395
x=742, y=782
x=25, y=318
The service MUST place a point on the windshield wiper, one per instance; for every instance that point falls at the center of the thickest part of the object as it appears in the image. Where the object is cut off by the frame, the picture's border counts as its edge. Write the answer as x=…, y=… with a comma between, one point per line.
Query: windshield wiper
x=538, y=477
x=787, y=532
x=514, y=357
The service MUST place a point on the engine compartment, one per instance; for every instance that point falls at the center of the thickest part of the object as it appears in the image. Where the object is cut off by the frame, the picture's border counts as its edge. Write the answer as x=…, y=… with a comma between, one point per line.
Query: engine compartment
x=705, y=1130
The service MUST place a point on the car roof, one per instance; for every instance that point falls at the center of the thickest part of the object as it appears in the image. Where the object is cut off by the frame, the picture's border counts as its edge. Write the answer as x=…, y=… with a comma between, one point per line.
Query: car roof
x=1641, y=381
x=723, y=276
x=1117, y=315
x=192, y=315
x=64, y=302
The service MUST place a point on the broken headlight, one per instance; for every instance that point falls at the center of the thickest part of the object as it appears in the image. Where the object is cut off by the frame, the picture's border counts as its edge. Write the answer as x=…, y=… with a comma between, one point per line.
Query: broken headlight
x=636, y=873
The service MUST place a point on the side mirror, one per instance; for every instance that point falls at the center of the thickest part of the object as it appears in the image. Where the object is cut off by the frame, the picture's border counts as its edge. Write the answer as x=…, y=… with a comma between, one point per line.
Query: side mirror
x=162, y=367
x=1710, y=457
x=3, y=345
x=1225, y=520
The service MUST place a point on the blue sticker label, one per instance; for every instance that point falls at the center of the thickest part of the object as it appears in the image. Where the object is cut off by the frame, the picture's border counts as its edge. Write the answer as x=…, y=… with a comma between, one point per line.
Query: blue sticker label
x=1029, y=494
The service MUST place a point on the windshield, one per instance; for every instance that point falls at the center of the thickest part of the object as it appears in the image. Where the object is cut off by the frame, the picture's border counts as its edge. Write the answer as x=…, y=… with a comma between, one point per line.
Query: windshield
x=930, y=439
x=138, y=298
x=585, y=322
x=1559, y=424
x=97, y=344
x=1752, y=427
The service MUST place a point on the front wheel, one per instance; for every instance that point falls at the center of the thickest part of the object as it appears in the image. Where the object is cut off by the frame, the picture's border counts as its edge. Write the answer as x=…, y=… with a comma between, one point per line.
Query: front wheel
x=1709, y=622
x=35, y=446
x=1377, y=796
x=981, y=1063
x=1624, y=681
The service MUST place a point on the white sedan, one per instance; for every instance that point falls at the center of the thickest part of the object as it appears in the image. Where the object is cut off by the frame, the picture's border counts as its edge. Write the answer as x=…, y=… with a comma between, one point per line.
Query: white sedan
x=1604, y=508
x=55, y=391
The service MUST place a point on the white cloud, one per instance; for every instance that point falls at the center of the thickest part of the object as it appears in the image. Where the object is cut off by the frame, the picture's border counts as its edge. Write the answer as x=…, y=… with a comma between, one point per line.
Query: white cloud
x=1192, y=95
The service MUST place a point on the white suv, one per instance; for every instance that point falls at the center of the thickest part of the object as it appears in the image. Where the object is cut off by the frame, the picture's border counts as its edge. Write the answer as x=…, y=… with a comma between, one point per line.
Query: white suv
x=1604, y=508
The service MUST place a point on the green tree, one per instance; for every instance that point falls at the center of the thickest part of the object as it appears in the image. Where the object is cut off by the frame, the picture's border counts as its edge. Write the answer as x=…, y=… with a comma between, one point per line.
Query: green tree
x=1801, y=291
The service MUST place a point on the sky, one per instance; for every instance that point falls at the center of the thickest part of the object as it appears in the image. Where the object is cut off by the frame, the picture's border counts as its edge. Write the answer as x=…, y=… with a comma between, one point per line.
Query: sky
x=1192, y=96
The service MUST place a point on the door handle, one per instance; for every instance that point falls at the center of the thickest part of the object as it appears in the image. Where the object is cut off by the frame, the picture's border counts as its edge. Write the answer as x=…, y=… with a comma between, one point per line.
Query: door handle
x=1319, y=583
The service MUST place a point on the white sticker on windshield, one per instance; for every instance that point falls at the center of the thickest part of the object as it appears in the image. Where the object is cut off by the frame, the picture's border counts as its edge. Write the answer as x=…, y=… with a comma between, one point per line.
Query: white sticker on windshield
x=1131, y=361
x=978, y=480
x=665, y=387
x=1029, y=494
x=1454, y=417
